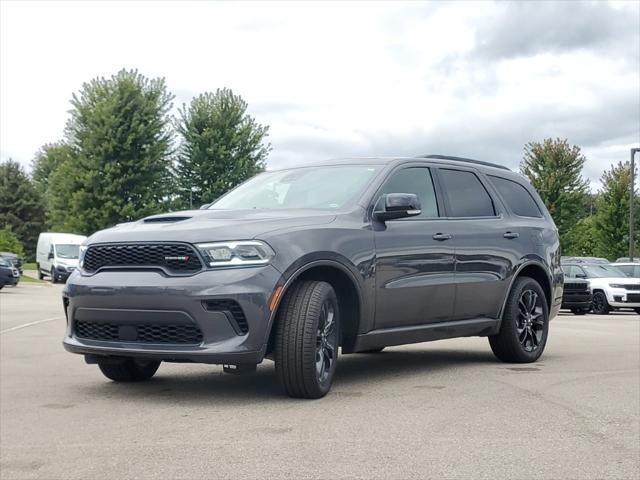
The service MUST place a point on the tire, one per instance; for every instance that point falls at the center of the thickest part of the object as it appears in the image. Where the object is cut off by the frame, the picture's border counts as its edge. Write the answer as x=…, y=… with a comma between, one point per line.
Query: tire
x=40, y=275
x=130, y=370
x=373, y=350
x=525, y=324
x=578, y=311
x=637, y=310
x=600, y=304
x=53, y=276
x=307, y=340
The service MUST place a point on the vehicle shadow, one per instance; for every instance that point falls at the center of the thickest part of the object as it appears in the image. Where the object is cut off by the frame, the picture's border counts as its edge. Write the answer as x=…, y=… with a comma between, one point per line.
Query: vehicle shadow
x=354, y=372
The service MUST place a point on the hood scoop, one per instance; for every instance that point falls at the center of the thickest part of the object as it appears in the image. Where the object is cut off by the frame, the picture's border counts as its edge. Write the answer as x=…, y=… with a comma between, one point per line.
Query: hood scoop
x=165, y=219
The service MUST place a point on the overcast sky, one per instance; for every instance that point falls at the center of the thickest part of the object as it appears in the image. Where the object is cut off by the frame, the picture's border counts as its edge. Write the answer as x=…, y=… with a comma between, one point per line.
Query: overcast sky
x=346, y=79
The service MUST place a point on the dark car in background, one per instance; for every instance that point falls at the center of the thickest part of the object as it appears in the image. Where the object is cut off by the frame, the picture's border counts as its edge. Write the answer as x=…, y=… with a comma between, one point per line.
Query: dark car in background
x=9, y=275
x=576, y=296
x=13, y=259
x=294, y=264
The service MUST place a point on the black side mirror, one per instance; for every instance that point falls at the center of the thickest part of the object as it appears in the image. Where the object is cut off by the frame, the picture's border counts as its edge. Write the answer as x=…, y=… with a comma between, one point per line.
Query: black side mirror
x=50, y=256
x=580, y=275
x=397, y=205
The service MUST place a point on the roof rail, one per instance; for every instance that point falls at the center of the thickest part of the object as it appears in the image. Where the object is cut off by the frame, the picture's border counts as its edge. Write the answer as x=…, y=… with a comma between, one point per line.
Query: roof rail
x=467, y=160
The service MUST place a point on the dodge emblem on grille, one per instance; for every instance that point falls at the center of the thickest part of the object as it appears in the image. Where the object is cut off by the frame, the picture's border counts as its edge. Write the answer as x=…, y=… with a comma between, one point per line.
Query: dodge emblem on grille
x=182, y=258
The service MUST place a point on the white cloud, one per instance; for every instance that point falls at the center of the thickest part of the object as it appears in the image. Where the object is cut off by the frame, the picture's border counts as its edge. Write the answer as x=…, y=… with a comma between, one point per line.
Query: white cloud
x=339, y=79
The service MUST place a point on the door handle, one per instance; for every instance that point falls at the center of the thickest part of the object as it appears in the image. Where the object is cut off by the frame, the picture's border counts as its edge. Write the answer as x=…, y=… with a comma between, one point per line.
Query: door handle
x=511, y=235
x=441, y=237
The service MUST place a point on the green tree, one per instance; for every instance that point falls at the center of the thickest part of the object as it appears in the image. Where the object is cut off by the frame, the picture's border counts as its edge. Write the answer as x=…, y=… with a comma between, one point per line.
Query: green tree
x=47, y=159
x=554, y=168
x=9, y=242
x=21, y=206
x=221, y=146
x=120, y=133
x=581, y=240
x=612, y=217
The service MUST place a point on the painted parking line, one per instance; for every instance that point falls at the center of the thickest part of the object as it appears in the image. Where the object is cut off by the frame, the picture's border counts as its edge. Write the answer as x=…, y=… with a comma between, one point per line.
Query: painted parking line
x=25, y=325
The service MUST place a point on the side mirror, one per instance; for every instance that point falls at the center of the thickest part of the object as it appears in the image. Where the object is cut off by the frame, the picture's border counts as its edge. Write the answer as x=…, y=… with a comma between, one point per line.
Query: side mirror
x=50, y=256
x=580, y=275
x=397, y=205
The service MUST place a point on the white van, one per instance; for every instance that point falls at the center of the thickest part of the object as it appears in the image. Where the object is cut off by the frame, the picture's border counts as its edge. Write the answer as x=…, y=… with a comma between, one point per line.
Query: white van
x=57, y=255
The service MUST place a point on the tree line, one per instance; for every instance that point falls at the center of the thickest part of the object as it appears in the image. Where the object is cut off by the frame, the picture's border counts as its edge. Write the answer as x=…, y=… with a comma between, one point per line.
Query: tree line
x=124, y=156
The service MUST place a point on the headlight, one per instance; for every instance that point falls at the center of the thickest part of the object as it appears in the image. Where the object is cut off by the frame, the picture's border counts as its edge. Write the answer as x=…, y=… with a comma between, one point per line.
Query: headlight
x=616, y=285
x=83, y=250
x=240, y=253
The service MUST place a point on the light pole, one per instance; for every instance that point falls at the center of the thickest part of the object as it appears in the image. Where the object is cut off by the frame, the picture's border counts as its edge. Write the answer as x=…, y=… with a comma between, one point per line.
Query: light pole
x=632, y=204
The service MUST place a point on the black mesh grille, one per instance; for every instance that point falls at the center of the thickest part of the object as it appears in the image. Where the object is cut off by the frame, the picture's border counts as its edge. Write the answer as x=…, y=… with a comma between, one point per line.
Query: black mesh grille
x=633, y=297
x=578, y=286
x=144, y=333
x=176, y=258
x=632, y=287
x=233, y=308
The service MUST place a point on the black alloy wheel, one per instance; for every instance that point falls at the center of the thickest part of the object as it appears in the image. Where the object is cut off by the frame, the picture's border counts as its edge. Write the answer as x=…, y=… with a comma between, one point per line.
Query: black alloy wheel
x=600, y=303
x=530, y=320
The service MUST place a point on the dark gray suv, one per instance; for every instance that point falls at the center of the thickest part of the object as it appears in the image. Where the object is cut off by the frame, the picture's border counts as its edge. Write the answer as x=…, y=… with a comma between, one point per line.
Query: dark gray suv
x=293, y=264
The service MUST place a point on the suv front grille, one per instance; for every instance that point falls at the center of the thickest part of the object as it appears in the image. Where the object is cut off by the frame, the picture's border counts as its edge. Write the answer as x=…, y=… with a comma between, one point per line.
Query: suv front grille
x=632, y=287
x=174, y=257
x=577, y=286
x=144, y=333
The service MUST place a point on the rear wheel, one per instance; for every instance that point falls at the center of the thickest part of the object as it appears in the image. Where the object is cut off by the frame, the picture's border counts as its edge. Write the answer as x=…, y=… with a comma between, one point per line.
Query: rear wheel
x=40, y=275
x=525, y=324
x=129, y=370
x=600, y=304
x=307, y=338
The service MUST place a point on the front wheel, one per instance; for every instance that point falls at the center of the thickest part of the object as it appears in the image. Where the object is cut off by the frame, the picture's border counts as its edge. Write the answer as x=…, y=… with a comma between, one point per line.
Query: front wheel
x=525, y=324
x=307, y=338
x=129, y=370
x=600, y=303
x=53, y=276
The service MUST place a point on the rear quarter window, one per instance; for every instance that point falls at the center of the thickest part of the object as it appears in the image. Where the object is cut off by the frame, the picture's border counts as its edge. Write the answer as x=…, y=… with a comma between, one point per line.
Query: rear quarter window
x=517, y=197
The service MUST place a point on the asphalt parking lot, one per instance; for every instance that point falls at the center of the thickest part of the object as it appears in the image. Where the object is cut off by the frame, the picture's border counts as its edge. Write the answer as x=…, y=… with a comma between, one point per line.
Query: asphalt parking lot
x=442, y=409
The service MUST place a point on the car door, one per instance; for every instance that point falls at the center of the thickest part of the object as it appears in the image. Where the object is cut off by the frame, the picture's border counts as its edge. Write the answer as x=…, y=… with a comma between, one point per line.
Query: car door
x=486, y=240
x=414, y=257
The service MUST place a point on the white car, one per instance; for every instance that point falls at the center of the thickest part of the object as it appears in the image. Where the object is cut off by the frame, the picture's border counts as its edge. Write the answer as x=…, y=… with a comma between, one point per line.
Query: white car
x=630, y=269
x=612, y=289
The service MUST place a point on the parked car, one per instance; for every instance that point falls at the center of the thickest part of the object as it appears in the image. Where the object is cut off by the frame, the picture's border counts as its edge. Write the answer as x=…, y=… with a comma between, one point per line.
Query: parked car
x=576, y=295
x=590, y=260
x=57, y=255
x=630, y=269
x=627, y=260
x=612, y=289
x=13, y=259
x=293, y=264
x=9, y=275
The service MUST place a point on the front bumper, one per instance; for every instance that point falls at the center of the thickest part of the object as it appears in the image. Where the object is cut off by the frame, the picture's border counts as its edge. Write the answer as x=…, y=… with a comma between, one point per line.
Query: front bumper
x=572, y=300
x=623, y=298
x=134, y=298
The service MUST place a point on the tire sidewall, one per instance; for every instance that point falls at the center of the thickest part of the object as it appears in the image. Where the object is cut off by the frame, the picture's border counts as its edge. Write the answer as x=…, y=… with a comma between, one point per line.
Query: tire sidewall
x=328, y=294
x=604, y=310
x=513, y=312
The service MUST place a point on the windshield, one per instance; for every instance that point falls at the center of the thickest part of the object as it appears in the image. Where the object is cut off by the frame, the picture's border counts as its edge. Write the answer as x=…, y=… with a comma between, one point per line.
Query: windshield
x=325, y=188
x=602, y=271
x=67, y=251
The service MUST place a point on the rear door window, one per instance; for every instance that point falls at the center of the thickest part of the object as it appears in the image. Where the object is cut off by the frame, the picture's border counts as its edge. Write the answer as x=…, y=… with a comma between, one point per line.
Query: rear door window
x=518, y=199
x=466, y=196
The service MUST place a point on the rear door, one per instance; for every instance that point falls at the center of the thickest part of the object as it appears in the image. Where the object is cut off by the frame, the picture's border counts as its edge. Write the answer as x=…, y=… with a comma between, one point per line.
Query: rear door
x=487, y=243
x=414, y=257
